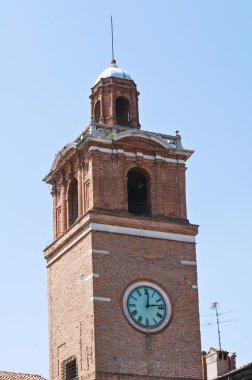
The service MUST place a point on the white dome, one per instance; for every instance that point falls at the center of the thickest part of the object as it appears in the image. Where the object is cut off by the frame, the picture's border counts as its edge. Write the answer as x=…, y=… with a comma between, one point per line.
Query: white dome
x=113, y=71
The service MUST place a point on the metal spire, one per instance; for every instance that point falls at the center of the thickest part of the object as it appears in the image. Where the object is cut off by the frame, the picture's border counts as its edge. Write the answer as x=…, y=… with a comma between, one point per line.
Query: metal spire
x=113, y=61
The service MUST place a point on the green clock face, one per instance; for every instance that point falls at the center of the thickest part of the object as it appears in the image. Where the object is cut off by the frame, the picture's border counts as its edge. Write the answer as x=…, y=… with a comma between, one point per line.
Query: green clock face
x=147, y=306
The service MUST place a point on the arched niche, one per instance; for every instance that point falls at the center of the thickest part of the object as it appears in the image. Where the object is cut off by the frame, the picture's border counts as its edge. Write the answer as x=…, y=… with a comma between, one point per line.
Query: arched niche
x=72, y=202
x=97, y=111
x=138, y=192
x=122, y=111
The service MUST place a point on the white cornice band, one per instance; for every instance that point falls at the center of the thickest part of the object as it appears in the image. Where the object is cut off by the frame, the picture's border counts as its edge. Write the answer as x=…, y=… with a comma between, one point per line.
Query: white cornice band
x=123, y=231
x=141, y=232
x=137, y=154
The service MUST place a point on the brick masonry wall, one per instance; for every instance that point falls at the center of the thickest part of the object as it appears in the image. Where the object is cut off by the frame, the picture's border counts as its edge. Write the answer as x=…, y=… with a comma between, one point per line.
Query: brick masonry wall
x=71, y=326
x=97, y=333
x=120, y=348
x=166, y=183
x=107, y=91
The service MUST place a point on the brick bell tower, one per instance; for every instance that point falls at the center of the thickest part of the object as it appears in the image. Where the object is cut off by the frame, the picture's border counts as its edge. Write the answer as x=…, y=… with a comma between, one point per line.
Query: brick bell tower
x=122, y=277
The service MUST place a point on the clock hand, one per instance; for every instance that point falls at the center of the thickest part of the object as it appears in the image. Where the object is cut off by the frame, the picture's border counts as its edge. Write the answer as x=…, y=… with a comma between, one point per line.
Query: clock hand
x=154, y=305
x=148, y=297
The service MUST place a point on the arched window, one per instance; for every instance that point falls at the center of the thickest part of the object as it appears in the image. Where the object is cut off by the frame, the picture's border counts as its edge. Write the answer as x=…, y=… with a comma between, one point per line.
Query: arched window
x=97, y=111
x=122, y=111
x=138, y=193
x=73, y=202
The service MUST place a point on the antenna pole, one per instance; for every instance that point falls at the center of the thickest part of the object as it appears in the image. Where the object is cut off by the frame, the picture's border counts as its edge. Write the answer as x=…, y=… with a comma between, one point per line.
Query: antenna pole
x=215, y=306
x=112, y=40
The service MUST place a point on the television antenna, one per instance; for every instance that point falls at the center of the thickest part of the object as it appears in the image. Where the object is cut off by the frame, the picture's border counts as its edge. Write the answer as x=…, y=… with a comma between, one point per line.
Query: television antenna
x=215, y=307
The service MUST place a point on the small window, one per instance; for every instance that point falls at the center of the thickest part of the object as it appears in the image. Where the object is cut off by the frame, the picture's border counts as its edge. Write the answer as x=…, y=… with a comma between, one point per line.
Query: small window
x=138, y=193
x=97, y=111
x=122, y=111
x=69, y=369
x=73, y=202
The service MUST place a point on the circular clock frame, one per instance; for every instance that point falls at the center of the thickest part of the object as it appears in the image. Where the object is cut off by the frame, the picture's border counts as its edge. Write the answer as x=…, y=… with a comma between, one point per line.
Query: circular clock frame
x=165, y=297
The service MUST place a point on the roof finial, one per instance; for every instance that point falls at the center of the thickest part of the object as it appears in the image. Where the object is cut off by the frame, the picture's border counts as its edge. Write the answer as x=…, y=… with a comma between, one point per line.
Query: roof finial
x=113, y=61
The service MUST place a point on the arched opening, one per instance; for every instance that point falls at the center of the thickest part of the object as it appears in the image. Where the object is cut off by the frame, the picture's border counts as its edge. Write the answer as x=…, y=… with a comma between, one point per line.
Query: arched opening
x=97, y=111
x=122, y=111
x=138, y=193
x=73, y=202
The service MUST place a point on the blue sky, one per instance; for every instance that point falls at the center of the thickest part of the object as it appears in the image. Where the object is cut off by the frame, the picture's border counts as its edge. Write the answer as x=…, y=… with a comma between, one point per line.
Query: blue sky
x=192, y=63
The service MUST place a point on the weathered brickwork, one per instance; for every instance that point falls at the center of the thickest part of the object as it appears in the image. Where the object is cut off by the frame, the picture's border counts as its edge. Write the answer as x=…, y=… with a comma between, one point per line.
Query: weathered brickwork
x=101, y=247
x=119, y=347
x=107, y=91
x=102, y=182
x=97, y=333
x=71, y=310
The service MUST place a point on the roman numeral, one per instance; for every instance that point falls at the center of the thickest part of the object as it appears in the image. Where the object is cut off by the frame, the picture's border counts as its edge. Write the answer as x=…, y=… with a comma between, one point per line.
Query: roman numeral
x=159, y=315
x=161, y=307
x=159, y=300
x=147, y=322
x=140, y=318
x=146, y=292
x=133, y=298
x=132, y=305
x=134, y=312
x=154, y=320
x=138, y=292
x=153, y=294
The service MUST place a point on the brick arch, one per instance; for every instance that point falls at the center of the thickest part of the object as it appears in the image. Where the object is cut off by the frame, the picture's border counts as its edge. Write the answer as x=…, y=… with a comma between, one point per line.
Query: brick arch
x=122, y=107
x=130, y=166
x=97, y=111
x=138, y=191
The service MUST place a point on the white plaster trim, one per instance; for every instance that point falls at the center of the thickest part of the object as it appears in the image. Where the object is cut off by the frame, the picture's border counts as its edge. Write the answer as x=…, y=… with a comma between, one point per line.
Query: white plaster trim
x=104, y=299
x=195, y=286
x=123, y=231
x=101, y=252
x=92, y=275
x=140, y=232
x=138, y=154
x=188, y=262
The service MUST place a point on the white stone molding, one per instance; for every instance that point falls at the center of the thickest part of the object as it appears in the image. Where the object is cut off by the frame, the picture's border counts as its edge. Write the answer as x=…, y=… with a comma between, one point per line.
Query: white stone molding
x=188, y=262
x=92, y=275
x=102, y=299
x=138, y=154
x=99, y=251
x=141, y=232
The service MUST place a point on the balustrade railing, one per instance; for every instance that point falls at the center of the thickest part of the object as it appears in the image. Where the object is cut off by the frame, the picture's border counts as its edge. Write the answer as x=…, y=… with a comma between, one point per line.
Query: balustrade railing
x=140, y=208
x=110, y=131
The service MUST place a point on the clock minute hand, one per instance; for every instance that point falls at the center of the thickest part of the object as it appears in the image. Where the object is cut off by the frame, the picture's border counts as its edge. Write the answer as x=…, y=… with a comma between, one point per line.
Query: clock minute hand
x=155, y=305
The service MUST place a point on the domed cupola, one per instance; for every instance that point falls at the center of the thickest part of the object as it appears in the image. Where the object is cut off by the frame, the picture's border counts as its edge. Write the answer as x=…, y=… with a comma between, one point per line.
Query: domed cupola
x=113, y=71
x=114, y=98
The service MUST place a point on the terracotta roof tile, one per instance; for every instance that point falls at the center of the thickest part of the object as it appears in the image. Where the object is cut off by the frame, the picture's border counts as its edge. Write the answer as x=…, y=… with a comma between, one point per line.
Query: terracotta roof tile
x=19, y=376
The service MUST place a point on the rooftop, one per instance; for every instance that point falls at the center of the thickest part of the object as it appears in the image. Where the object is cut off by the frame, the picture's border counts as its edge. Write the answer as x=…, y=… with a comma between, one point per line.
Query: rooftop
x=113, y=71
x=4, y=375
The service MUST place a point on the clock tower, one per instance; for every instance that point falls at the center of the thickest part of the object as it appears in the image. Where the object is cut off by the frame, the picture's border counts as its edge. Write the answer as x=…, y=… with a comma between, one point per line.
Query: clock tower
x=122, y=275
